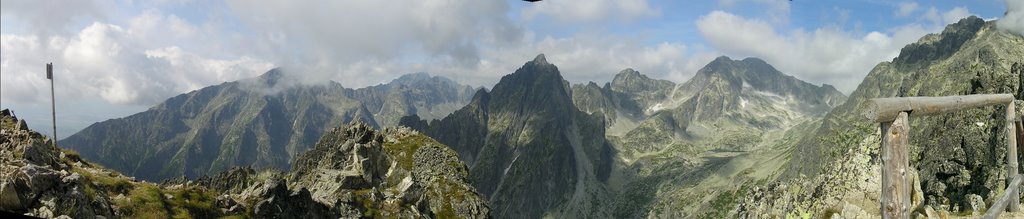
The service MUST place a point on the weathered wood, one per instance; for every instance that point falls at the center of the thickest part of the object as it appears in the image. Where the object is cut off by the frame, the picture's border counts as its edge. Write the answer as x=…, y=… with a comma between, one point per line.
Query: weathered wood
x=895, y=200
x=886, y=109
x=1011, y=154
x=1000, y=204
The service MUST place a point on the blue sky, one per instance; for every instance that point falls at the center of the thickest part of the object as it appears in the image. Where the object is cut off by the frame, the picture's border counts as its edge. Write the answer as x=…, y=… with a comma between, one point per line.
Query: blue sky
x=115, y=58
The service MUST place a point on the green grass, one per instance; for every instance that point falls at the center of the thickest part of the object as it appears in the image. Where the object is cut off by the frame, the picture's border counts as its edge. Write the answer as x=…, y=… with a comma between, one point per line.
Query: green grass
x=193, y=202
x=405, y=148
x=110, y=182
x=145, y=201
x=71, y=155
x=149, y=201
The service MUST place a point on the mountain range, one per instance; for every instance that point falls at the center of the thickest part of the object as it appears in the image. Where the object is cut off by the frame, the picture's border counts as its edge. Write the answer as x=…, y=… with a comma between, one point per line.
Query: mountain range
x=263, y=122
x=534, y=145
x=738, y=139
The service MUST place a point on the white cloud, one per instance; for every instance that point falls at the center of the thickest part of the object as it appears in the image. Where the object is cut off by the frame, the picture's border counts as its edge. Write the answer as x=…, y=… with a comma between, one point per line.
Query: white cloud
x=824, y=55
x=777, y=11
x=115, y=64
x=51, y=17
x=906, y=9
x=954, y=15
x=1014, y=19
x=948, y=17
x=331, y=40
x=590, y=11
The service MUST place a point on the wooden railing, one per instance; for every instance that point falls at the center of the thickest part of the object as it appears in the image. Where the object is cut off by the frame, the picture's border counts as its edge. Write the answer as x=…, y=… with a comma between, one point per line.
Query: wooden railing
x=893, y=115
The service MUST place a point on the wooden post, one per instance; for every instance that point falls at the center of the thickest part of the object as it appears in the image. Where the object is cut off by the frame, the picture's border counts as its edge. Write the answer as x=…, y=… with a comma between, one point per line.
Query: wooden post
x=886, y=109
x=895, y=201
x=1011, y=155
x=1002, y=203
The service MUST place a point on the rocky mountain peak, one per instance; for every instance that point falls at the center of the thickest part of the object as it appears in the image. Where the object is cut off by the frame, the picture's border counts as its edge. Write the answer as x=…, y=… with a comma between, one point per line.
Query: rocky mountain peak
x=537, y=84
x=756, y=63
x=628, y=76
x=529, y=148
x=721, y=59
x=633, y=82
x=271, y=78
x=628, y=73
x=938, y=46
x=540, y=59
x=419, y=77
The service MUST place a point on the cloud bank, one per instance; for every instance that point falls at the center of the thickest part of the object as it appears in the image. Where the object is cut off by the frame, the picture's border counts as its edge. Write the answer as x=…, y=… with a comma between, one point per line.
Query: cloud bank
x=1014, y=19
x=120, y=65
x=824, y=55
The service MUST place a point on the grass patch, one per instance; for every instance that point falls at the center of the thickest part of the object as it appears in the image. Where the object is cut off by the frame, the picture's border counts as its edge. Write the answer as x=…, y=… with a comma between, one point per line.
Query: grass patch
x=71, y=155
x=193, y=202
x=145, y=201
x=111, y=182
x=405, y=148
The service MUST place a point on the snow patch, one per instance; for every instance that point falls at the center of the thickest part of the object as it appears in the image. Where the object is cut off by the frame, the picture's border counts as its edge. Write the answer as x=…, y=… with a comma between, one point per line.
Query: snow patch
x=743, y=102
x=980, y=124
x=655, y=108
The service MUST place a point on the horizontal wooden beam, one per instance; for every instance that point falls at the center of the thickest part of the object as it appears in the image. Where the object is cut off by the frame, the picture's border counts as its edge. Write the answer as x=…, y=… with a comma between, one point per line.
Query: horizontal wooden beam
x=999, y=206
x=886, y=109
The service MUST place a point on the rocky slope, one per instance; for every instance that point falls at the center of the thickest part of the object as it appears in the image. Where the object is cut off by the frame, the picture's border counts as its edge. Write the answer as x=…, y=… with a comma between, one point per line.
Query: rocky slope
x=691, y=149
x=959, y=157
x=263, y=122
x=354, y=171
x=624, y=101
x=529, y=148
x=43, y=181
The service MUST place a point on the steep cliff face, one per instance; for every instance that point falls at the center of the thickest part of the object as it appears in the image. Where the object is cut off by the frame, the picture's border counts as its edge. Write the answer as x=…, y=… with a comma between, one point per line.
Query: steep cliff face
x=354, y=171
x=262, y=122
x=957, y=155
x=530, y=150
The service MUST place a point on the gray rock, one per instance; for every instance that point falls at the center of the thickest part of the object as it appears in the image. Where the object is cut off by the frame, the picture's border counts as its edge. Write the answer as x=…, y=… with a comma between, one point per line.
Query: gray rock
x=975, y=204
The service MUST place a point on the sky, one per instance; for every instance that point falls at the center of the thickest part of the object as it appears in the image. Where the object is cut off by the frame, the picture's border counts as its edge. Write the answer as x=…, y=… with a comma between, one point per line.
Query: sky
x=120, y=57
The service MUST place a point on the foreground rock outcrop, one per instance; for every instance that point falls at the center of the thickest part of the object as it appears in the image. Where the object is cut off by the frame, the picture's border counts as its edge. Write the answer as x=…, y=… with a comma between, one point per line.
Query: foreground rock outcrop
x=39, y=180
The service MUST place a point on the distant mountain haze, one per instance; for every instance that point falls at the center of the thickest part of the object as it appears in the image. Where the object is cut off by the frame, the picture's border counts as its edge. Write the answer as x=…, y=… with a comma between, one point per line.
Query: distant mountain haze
x=260, y=122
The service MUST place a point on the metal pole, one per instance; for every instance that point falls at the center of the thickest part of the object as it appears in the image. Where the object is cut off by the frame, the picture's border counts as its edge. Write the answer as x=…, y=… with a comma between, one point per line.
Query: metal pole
x=53, y=101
